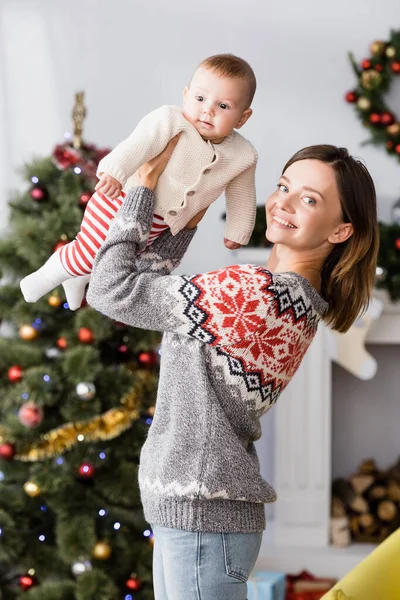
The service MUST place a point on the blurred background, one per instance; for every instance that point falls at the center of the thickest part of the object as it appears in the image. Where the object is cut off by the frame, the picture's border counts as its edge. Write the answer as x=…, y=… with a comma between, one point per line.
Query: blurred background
x=132, y=56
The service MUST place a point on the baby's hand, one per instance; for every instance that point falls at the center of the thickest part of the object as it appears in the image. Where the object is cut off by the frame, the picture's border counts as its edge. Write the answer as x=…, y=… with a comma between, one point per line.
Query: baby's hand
x=231, y=245
x=109, y=186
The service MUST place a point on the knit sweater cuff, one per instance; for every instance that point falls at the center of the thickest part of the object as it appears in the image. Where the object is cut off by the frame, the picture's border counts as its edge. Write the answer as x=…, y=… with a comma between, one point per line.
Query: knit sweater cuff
x=114, y=171
x=139, y=206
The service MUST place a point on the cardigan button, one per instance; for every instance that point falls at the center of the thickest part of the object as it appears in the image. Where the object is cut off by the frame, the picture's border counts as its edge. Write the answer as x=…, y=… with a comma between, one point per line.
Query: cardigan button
x=191, y=193
x=207, y=171
x=172, y=213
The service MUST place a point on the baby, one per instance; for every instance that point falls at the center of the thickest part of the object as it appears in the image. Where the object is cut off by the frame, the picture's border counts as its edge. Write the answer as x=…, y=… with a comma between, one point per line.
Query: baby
x=210, y=158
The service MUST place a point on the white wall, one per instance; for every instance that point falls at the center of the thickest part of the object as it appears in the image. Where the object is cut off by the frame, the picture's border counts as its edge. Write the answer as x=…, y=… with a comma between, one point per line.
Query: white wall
x=132, y=56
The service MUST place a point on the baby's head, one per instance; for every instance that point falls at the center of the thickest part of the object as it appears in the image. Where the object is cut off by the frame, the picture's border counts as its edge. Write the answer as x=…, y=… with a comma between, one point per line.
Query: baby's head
x=218, y=97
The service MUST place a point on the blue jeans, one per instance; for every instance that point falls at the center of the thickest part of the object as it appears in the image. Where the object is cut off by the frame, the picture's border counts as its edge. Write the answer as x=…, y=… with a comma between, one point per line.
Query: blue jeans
x=202, y=566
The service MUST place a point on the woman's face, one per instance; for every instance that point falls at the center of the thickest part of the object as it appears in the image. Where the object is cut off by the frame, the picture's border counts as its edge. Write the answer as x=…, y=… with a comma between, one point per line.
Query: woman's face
x=304, y=212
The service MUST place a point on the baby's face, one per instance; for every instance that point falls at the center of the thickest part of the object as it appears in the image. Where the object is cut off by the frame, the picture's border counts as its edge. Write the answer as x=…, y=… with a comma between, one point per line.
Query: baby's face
x=215, y=105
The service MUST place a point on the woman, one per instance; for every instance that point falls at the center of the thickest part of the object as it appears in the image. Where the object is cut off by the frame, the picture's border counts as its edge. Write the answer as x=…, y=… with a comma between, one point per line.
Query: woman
x=233, y=340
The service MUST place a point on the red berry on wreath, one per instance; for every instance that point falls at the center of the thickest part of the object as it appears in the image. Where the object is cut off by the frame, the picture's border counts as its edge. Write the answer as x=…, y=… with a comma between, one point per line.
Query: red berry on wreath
x=7, y=451
x=374, y=118
x=86, y=335
x=379, y=68
x=387, y=118
x=15, y=373
x=351, y=97
x=366, y=64
x=395, y=66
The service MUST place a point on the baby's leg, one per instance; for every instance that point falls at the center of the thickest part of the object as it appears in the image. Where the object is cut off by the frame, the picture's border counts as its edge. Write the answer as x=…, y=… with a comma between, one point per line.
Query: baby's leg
x=76, y=258
x=157, y=227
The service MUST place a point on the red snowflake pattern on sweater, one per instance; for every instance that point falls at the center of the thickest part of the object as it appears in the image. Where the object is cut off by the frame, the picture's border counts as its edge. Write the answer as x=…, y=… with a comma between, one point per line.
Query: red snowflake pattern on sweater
x=262, y=324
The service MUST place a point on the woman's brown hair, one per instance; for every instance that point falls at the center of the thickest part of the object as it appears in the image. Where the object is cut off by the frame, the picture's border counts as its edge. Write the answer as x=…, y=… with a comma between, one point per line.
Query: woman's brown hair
x=349, y=272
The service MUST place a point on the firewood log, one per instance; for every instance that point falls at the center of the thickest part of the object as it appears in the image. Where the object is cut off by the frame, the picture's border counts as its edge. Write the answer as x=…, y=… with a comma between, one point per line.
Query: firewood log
x=368, y=467
x=361, y=483
x=393, y=491
x=387, y=510
x=359, y=505
x=342, y=489
x=377, y=492
x=338, y=509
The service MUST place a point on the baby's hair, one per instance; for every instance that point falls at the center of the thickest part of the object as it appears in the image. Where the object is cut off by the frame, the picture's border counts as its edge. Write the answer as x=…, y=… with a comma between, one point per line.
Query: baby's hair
x=229, y=65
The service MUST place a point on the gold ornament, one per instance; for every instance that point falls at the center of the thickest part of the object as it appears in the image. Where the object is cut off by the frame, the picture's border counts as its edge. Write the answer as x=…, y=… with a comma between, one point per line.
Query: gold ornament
x=103, y=427
x=377, y=47
x=54, y=301
x=393, y=129
x=28, y=333
x=390, y=52
x=31, y=489
x=101, y=551
x=371, y=79
x=78, y=116
x=363, y=103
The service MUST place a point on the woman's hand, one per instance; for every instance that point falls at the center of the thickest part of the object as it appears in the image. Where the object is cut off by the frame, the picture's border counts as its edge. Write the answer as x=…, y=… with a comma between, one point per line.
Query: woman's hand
x=147, y=175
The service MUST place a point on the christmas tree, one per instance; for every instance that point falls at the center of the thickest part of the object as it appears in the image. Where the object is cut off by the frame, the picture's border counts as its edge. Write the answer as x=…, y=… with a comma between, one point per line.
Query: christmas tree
x=78, y=392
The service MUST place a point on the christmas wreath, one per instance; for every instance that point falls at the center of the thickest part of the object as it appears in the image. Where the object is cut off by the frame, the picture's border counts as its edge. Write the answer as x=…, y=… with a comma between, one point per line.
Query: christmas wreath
x=374, y=78
x=374, y=75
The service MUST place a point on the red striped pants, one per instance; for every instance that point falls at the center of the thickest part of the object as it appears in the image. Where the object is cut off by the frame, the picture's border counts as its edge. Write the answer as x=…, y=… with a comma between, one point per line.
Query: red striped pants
x=78, y=256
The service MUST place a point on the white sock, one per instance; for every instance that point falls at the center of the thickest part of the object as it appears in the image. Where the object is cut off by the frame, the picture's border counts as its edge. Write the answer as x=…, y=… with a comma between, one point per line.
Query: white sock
x=45, y=279
x=75, y=290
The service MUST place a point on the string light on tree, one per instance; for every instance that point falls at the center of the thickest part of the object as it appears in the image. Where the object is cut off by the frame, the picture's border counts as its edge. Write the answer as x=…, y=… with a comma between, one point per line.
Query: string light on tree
x=54, y=301
x=86, y=471
x=62, y=343
x=80, y=567
x=133, y=583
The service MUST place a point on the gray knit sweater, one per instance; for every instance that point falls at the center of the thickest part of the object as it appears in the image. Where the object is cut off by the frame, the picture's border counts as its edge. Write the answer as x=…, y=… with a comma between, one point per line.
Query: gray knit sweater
x=233, y=340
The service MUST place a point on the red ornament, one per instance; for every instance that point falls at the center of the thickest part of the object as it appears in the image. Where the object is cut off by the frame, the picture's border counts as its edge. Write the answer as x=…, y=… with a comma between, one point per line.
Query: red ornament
x=148, y=359
x=30, y=415
x=379, y=68
x=86, y=471
x=351, y=97
x=86, y=335
x=27, y=581
x=395, y=66
x=387, y=118
x=7, y=451
x=397, y=243
x=389, y=145
x=85, y=197
x=366, y=64
x=62, y=343
x=375, y=118
x=15, y=373
x=39, y=193
x=65, y=157
x=123, y=349
x=397, y=148
x=133, y=583
x=60, y=244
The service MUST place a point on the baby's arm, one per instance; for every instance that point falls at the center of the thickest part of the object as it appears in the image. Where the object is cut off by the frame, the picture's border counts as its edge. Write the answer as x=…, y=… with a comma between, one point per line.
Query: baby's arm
x=240, y=197
x=147, y=140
